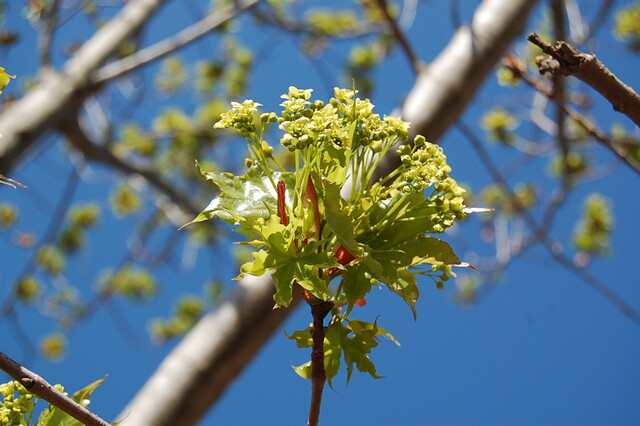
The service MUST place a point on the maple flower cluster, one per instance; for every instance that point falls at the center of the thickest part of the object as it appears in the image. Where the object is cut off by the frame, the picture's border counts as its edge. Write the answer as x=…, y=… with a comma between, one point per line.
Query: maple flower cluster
x=379, y=231
x=424, y=165
x=306, y=122
x=333, y=217
x=16, y=403
x=241, y=117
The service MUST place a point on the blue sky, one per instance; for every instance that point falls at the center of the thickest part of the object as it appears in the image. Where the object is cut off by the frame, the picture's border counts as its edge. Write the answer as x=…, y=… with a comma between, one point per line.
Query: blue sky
x=542, y=348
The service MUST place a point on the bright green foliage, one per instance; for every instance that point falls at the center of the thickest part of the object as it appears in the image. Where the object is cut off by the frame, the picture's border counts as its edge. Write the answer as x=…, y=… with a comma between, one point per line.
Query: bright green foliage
x=55, y=416
x=321, y=24
x=71, y=240
x=524, y=197
x=28, y=289
x=363, y=60
x=347, y=341
x=4, y=79
x=84, y=216
x=238, y=68
x=133, y=139
x=124, y=201
x=627, y=25
x=51, y=259
x=575, y=164
x=251, y=194
x=172, y=122
x=8, y=215
x=53, y=346
x=79, y=219
x=332, y=22
x=211, y=111
x=172, y=75
x=467, y=289
x=188, y=311
x=130, y=282
x=506, y=77
x=593, y=232
x=500, y=125
x=627, y=141
x=18, y=406
x=307, y=233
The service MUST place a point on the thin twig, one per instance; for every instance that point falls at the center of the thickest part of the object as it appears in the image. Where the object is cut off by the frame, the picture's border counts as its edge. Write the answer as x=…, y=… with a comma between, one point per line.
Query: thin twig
x=518, y=69
x=188, y=35
x=398, y=34
x=541, y=234
x=567, y=60
x=600, y=17
x=40, y=387
x=558, y=91
x=49, y=16
x=93, y=151
x=57, y=218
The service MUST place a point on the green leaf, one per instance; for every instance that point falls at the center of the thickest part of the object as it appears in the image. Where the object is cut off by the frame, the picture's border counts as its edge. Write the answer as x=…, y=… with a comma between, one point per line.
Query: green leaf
x=243, y=199
x=356, y=284
x=4, y=79
x=338, y=220
x=291, y=264
x=334, y=341
x=302, y=337
x=357, y=348
x=336, y=163
x=283, y=280
x=303, y=370
x=357, y=326
x=393, y=225
x=409, y=254
x=83, y=395
x=403, y=283
x=303, y=268
x=420, y=249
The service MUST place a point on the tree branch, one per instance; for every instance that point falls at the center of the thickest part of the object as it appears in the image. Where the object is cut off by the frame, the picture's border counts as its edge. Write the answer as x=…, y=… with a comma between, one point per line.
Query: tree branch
x=541, y=234
x=40, y=387
x=415, y=62
x=47, y=103
x=210, y=357
x=192, y=33
x=518, y=69
x=567, y=60
x=93, y=151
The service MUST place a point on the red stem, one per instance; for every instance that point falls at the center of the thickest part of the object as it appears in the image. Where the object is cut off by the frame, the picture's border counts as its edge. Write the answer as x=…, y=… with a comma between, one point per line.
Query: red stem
x=318, y=373
x=282, y=208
